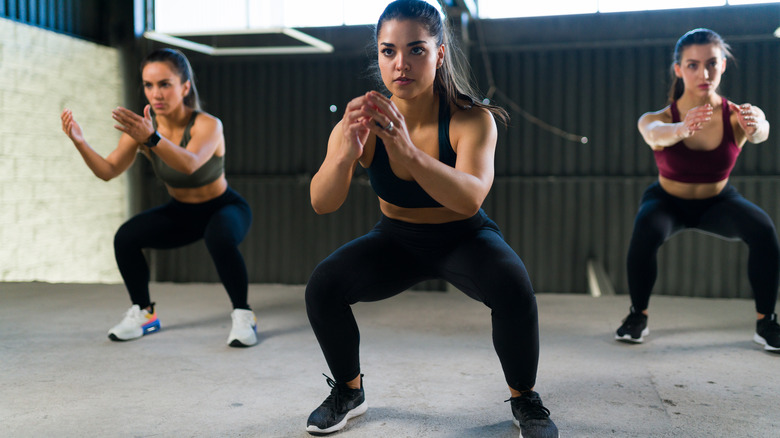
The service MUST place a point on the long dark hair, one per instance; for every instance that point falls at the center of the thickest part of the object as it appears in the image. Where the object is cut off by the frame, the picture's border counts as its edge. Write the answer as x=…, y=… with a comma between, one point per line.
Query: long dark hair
x=453, y=78
x=698, y=36
x=181, y=65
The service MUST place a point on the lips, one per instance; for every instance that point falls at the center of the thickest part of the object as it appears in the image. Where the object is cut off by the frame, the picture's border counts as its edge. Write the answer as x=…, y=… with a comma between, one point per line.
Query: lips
x=403, y=80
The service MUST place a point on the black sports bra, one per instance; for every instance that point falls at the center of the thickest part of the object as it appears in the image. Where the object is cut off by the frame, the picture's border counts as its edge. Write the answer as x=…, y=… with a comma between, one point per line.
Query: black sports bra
x=400, y=192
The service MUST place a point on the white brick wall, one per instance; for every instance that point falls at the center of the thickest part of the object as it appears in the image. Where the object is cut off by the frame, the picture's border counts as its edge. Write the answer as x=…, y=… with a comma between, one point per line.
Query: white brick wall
x=57, y=220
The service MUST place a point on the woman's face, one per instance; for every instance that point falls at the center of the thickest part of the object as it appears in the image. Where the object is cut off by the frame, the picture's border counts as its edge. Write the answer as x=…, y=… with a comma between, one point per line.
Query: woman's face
x=163, y=87
x=408, y=57
x=701, y=67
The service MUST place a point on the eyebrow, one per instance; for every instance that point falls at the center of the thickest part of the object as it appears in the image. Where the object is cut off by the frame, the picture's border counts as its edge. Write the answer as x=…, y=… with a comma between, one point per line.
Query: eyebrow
x=714, y=58
x=413, y=43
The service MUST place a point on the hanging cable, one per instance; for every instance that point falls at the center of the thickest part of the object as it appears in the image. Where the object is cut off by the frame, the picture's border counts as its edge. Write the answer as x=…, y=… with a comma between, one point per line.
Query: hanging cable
x=494, y=90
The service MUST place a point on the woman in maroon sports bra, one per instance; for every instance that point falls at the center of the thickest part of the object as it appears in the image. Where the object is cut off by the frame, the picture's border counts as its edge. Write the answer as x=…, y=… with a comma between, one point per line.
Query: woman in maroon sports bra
x=696, y=141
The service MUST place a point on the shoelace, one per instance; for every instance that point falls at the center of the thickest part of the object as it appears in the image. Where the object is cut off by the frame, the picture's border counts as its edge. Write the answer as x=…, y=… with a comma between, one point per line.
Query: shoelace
x=139, y=314
x=532, y=408
x=334, y=397
x=331, y=382
x=634, y=319
x=134, y=316
x=244, y=318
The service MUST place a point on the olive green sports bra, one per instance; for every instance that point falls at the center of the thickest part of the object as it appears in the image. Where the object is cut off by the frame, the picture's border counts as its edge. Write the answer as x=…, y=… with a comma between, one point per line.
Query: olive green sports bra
x=209, y=172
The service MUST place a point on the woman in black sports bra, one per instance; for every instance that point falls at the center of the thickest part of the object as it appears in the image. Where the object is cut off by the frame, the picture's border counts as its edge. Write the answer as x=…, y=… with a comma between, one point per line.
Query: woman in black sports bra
x=187, y=149
x=429, y=151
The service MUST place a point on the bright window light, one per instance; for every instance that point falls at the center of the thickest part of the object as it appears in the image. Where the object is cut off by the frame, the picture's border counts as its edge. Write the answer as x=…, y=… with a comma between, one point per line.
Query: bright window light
x=178, y=16
x=357, y=12
x=514, y=8
x=307, y=13
x=262, y=14
x=750, y=2
x=202, y=16
x=648, y=5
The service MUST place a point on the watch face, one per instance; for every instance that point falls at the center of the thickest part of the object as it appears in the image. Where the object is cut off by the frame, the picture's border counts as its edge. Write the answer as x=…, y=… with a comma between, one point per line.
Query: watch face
x=153, y=140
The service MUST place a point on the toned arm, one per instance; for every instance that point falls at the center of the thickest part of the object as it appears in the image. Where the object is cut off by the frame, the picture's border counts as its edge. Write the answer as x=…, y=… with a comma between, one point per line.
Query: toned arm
x=463, y=188
x=330, y=185
x=106, y=168
x=659, y=131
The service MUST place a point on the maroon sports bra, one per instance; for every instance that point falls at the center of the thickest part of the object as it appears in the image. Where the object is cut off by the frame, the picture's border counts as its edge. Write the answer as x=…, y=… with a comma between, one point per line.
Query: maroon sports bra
x=680, y=163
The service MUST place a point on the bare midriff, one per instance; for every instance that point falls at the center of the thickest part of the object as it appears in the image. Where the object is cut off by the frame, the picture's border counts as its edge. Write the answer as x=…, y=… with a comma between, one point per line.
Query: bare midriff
x=197, y=195
x=430, y=215
x=692, y=190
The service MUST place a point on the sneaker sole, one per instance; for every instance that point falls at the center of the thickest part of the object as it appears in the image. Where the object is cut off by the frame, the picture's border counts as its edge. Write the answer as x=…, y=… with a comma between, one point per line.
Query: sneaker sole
x=758, y=339
x=628, y=339
x=152, y=328
x=356, y=412
x=517, y=423
x=238, y=344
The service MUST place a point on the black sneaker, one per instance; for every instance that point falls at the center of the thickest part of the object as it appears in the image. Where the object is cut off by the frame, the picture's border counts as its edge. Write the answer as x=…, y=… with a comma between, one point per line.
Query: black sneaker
x=532, y=417
x=342, y=404
x=768, y=333
x=634, y=328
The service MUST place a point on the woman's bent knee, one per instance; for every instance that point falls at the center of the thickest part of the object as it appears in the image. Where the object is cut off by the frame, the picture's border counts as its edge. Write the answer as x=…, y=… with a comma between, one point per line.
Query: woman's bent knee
x=125, y=238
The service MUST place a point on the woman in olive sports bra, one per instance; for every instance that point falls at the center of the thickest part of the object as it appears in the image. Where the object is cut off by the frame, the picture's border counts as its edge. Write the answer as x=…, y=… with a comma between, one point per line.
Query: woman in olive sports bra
x=696, y=141
x=187, y=149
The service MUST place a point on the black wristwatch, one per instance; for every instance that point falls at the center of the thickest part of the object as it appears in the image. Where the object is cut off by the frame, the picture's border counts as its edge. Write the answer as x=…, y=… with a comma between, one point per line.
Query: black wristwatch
x=153, y=140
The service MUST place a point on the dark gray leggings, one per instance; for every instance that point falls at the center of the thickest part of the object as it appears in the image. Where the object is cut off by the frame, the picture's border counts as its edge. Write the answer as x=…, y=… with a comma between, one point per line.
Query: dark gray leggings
x=395, y=255
x=728, y=214
x=222, y=222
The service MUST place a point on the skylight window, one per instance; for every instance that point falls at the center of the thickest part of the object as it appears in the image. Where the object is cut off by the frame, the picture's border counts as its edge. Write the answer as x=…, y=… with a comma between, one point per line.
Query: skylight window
x=275, y=25
x=512, y=8
x=199, y=16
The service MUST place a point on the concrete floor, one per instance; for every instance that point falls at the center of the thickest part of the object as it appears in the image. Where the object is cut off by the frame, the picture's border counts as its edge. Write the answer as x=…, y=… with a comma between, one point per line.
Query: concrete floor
x=430, y=369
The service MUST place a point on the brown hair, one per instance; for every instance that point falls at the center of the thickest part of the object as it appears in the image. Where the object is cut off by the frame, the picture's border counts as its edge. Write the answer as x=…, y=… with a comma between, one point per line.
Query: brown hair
x=453, y=78
x=696, y=36
x=180, y=65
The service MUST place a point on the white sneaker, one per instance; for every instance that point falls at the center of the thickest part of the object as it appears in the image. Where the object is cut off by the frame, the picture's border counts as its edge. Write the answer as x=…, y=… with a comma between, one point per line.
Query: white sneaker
x=136, y=323
x=244, y=331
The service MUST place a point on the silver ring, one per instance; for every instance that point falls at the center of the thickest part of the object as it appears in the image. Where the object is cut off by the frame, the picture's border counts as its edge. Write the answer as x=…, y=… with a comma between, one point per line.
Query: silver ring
x=389, y=126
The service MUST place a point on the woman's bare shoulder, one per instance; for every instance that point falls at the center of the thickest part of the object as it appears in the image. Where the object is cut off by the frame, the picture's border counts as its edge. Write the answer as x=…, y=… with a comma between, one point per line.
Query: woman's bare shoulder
x=206, y=122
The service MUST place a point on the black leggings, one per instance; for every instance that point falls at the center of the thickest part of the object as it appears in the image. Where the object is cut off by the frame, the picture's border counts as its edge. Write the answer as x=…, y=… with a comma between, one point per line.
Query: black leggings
x=222, y=222
x=395, y=255
x=728, y=215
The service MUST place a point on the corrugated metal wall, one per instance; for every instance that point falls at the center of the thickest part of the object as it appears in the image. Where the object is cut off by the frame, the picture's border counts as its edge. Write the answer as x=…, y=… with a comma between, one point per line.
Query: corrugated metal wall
x=51, y=14
x=88, y=19
x=558, y=203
